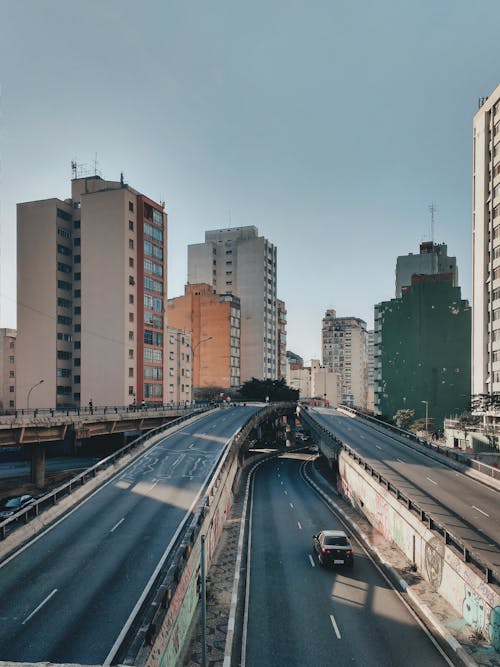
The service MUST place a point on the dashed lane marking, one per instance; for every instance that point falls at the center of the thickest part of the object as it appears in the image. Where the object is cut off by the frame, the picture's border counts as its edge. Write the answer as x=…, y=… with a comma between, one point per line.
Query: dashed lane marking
x=117, y=524
x=431, y=480
x=313, y=564
x=479, y=510
x=299, y=525
x=40, y=606
x=335, y=626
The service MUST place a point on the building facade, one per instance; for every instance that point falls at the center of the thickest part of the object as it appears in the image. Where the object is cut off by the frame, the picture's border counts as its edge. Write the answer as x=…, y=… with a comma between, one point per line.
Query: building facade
x=281, y=339
x=239, y=261
x=344, y=350
x=326, y=384
x=432, y=259
x=422, y=350
x=486, y=253
x=92, y=285
x=214, y=320
x=179, y=366
x=8, y=369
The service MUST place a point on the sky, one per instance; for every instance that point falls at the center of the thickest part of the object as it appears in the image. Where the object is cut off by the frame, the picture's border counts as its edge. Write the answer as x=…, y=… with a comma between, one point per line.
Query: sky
x=330, y=125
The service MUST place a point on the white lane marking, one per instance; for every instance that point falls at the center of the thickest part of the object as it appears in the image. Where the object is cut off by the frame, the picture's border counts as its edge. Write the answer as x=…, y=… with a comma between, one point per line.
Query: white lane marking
x=378, y=447
x=431, y=480
x=281, y=482
x=279, y=475
x=362, y=437
x=291, y=505
x=286, y=492
x=178, y=460
x=335, y=626
x=117, y=524
x=479, y=510
x=191, y=445
x=153, y=486
x=401, y=460
x=40, y=606
x=312, y=561
x=299, y=525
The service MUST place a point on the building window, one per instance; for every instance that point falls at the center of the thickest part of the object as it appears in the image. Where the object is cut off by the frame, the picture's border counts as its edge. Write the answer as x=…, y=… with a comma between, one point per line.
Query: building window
x=131, y=206
x=11, y=389
x=77, y=345
x=131, y=354
x=63, y=215
x=131, y=317
x=131, y=298
x=63, y=354
x=77, y=293
x=63, y=303
x=77, y=241
x=157, y=217
x=130, y=390
x=131, y=244
x=76, y=379
x=64, y=268
x=131, y=225
x=11, y=360
x=131, y=372
x=77, y=362
x=11, y=374
x=148, y=337
x=64, y=285
x=131, y=335
x=78, y=276
x=131, y=262
x=78, y=310
x=62, y=319
x=64, y=250
x=78, y=328
x=76, y=224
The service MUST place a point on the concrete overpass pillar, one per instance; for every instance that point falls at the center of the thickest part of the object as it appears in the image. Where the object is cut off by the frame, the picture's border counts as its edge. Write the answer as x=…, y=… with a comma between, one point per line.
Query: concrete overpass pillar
x=38, y=465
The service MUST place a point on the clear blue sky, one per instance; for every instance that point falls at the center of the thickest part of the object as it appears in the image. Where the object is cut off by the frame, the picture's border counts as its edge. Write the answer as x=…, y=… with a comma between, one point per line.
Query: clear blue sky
x=329, y=125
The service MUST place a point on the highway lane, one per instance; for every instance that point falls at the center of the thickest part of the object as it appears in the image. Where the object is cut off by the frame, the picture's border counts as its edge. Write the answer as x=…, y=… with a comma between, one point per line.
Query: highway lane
x=302, y=614
x=66, y=597
x=467, y=507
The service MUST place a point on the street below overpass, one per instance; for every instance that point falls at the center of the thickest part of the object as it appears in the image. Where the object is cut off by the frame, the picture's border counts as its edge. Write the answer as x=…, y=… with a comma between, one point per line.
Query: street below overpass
x=300, y=613
x=468, y=508
x=69, y=593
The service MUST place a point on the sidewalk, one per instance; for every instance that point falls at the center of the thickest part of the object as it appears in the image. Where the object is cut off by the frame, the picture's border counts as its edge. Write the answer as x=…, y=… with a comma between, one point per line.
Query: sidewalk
x=419, y=595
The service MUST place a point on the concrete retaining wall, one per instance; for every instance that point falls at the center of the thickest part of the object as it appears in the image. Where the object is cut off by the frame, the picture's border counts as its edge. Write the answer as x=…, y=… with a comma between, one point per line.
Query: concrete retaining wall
x=477, y=601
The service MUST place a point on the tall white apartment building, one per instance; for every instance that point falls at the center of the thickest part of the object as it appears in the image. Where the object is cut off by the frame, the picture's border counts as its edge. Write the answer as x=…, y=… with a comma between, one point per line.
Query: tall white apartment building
x=240, y=262
x=486, y=251
x=344, y=350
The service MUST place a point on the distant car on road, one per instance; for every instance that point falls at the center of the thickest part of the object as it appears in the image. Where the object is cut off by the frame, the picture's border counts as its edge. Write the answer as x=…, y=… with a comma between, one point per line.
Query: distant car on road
x=333, y=548
x=12, y=505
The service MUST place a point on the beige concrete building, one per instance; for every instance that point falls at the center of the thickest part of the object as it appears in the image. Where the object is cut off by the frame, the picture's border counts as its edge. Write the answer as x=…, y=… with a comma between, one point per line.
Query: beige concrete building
x=281, y=339
x=92, y=284
x=299, y=378
x=326, y=384
x=179, y=366
x=8, y=369
x=344, y=350
x=240, y=262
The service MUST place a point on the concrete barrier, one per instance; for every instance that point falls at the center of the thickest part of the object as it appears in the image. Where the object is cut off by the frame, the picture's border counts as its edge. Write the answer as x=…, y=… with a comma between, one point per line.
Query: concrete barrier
x=477, y=601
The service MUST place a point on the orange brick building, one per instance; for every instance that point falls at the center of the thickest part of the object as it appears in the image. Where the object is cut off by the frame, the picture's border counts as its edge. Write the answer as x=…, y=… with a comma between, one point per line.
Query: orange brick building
x=214, y=320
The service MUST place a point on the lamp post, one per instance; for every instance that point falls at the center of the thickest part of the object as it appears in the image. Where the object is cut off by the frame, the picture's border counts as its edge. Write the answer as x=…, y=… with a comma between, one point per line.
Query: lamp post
x=193, y=350
x=426, y=414
x=29, y=393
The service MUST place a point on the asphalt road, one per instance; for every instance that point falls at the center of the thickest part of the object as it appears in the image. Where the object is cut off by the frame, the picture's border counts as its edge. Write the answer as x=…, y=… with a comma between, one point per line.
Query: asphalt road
x=66, y=597
x=300, y=613
x=468, y=508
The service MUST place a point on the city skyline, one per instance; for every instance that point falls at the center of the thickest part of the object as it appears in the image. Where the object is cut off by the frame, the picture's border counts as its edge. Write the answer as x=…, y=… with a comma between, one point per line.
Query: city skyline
x=331, y=134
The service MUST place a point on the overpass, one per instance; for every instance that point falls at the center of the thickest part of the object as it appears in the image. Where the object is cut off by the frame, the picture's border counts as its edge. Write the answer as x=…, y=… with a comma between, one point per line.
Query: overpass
x=36, y=429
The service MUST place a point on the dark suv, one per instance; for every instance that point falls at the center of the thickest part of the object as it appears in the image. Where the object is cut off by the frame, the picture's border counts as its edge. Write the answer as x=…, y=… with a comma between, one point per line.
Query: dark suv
x=333, y=548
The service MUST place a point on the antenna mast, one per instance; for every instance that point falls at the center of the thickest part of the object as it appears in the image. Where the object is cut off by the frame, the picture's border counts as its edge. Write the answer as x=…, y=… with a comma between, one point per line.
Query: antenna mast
x=432, y=211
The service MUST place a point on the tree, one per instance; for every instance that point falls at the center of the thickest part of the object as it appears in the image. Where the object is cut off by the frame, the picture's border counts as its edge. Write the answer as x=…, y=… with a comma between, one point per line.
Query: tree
x=404, y=418
x=272, y=390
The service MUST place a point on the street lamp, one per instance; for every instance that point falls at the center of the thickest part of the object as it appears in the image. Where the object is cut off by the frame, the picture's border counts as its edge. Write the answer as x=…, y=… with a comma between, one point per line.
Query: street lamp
x=193, y=350
x=29, y=393
x=426, y=414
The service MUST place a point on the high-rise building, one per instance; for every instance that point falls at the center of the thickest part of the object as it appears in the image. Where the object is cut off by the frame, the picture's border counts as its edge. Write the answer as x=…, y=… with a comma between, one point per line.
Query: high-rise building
x=486, y=252
x=92, y=284
x=422, y=350
x=281, y=339
x=432, y=259
x=8, y=369
x=370, y=336
x=344, y=350
x=214, y=320
x=179, y=366
x=239, y=261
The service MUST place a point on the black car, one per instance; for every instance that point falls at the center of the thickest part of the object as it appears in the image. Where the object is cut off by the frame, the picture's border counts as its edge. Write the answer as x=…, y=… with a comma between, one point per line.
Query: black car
x=12, y=505
x=333, y=548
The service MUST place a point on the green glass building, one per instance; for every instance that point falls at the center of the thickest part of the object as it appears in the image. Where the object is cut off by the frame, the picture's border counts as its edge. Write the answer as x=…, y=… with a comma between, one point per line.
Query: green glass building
x=422, y=350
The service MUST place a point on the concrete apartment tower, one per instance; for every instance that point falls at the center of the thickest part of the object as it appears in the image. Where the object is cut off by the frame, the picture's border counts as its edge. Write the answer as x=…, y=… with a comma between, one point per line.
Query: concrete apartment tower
x=344, y=350
x=431, y=260
x=239, y=261
x=92, y=285
x=281, y=339
x=486, y=255
x=7, y=369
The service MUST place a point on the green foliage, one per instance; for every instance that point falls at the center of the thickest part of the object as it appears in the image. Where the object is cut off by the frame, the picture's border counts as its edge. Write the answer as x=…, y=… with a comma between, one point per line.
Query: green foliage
x=404, y=418
x=419, y=425
x=274, y=390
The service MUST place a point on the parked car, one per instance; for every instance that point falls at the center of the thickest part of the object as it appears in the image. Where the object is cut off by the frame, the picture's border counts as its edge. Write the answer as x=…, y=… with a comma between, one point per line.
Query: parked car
x=333, y=548
x=10, y=506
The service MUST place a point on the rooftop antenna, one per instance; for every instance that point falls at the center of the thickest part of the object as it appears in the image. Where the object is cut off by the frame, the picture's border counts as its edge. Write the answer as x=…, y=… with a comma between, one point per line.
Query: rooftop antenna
x=74, y=168
x=432, y=211
x=95, y=164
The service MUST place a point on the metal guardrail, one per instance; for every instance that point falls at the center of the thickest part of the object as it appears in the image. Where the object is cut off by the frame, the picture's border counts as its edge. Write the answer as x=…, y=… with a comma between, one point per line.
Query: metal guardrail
x=98, y=410
x=65, y=489
x=491, y=575
x=484, y=468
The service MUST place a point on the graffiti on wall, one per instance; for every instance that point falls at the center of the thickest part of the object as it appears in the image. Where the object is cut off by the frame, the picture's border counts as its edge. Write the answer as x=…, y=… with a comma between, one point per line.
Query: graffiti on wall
x=473, y=609
x=494, y=628
x=433, y=561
